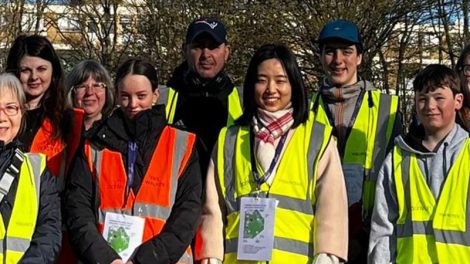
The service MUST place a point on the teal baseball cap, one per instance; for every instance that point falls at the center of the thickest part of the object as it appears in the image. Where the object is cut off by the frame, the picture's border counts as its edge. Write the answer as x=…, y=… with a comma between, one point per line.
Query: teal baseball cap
x=341, y=29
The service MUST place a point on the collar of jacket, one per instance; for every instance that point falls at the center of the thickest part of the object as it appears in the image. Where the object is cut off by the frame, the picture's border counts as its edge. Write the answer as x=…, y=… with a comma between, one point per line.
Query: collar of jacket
x=190, y=84
x=117, y=130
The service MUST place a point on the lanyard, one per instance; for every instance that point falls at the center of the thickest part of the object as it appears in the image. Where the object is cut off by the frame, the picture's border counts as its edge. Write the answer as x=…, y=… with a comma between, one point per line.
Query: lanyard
x=131, y=157
x=342, y=143
x=262, y=179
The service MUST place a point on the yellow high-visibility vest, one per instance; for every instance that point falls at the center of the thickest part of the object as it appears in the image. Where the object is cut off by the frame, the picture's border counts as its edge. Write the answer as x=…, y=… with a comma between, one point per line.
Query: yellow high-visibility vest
x=293, y=186
x=430, y=231
x=367, y=143
x=234, y=106
x=16, y=239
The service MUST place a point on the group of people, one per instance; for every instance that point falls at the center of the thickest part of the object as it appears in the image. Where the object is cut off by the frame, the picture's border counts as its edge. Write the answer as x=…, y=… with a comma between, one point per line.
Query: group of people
x=199, y=170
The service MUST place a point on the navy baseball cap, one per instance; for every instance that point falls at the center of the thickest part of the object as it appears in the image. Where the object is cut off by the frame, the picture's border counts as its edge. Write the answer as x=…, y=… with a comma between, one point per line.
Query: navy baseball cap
x=215, y=28
x=341, y=29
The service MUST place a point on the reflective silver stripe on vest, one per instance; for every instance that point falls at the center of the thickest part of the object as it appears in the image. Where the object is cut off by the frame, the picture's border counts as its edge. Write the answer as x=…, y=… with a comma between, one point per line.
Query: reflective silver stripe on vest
x=16, y=244
x=314, y=147
x=301, y=206
x=229, y=172
x=456, y=237
x=425, y=227
x=381, y=143
x=36, y=160
x=284, y=244
x=153, y=211
x=102, y=213
x=144, y=209
x=7, y=178
x=406, y=229
x=186, y=258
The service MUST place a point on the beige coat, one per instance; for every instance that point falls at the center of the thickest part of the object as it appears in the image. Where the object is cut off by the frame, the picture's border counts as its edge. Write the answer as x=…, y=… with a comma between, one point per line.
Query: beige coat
x=331, y=211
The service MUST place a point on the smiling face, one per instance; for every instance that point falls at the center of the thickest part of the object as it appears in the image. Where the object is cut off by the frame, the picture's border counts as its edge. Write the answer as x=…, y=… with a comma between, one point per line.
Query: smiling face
x=340, y=61
x=36, y=77
x=436, y=109
x=273, y=91
x=136, y=95
x=10, y=115
x=91, y=97
x=206, y=57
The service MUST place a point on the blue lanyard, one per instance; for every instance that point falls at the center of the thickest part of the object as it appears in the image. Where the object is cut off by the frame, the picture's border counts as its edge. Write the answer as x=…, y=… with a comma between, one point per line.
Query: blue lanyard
x=131, y=157
x=262, y=179
x=342, y=143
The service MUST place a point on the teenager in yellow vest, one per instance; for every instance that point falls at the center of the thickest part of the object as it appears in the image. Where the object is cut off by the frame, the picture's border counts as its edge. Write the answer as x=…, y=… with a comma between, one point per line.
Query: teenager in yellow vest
x=364, y=120
x=30, y=224
x=422, y=209
x=275, y=151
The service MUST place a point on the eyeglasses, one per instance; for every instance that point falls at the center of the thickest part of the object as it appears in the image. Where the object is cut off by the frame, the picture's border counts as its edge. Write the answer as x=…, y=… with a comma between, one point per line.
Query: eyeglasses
x=466, y=69
x=96, y=87
x=10, y=110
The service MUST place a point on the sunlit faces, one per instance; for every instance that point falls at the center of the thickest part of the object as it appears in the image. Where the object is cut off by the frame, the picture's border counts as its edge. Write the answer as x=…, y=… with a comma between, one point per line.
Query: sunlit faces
x=207, y=57
x=340, y=61
x=437, y=109
x=136, y=95
x=273, y=91
x=90, y=96
x=35, y=76
x=10, y=116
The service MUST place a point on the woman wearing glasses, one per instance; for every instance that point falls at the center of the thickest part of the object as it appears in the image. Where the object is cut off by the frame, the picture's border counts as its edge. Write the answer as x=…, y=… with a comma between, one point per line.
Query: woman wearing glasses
x=90, y=88
x=463, y=69
x=29, y=207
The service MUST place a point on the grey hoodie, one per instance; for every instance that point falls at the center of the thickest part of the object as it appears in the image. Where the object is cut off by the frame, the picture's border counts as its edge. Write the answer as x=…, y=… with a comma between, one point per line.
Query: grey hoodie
x=433, y=165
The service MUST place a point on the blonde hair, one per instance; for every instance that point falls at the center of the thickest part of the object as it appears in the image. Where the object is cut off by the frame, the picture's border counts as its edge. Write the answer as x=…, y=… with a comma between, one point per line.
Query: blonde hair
x=9, y=82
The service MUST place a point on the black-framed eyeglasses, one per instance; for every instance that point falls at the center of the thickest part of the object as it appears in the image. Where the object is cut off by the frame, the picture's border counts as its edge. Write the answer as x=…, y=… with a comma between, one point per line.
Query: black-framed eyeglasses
x=10, y=109
x=96, y=87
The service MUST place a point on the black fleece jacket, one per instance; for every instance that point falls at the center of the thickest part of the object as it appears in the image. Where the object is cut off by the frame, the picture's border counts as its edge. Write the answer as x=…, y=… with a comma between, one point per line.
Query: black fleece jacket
x=82, y=201
x=202, y=107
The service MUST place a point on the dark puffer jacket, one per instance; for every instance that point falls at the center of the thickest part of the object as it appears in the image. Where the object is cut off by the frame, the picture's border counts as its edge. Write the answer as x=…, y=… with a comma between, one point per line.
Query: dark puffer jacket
x=82, y=201
x=47, y=237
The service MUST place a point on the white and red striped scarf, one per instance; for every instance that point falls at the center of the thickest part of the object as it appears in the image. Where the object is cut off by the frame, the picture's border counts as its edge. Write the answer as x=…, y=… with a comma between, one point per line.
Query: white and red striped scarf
x=269, y=126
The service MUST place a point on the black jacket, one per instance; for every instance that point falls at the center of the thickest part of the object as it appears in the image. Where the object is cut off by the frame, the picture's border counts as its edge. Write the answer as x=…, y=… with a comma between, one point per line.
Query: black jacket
x=82, y=201
x=202, y=107
x=47, y=236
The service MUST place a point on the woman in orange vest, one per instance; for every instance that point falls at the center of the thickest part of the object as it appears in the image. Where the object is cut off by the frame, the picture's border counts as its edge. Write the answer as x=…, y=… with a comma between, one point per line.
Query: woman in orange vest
x=90, y=88
x=133, y=169
x=51, y=126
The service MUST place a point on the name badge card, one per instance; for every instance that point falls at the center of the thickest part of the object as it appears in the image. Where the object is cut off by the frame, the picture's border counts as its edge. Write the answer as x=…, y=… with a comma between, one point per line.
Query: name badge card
x=256, y=228
x=123, y=233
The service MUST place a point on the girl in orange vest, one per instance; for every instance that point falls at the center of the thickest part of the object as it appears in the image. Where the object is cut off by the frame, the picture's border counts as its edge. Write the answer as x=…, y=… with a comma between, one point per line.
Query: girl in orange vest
x=51, y=126
x=135, y=166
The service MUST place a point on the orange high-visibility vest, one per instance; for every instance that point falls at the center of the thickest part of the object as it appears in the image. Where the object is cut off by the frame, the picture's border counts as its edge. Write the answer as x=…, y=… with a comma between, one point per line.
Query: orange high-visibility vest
x=58, y=160
x=156, y=195
x=59, y=157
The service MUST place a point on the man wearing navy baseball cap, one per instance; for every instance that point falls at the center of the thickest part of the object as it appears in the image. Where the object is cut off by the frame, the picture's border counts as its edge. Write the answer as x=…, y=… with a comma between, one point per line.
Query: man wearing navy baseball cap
x=201, y=97
x=365, y=122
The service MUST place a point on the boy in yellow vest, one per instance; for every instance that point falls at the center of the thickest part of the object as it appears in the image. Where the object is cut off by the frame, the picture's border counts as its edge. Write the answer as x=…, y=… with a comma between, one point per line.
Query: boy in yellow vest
x=422, y=207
